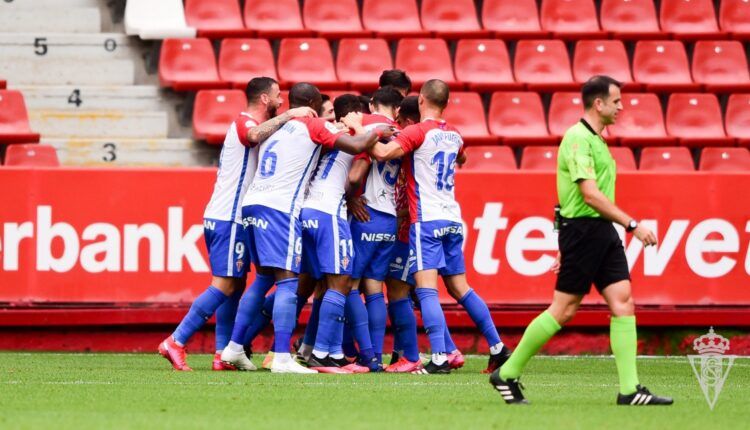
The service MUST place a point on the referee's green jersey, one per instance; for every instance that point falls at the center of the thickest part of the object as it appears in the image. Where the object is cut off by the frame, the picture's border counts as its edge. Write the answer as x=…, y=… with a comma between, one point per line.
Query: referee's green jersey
x=583, y=155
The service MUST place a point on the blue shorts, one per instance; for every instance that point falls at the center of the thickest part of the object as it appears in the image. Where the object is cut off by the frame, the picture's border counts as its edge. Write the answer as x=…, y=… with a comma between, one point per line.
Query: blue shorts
x=326, y=244
x=374, y=242
x=227, y=250
x=437, y=245
x=274, y=238
x=401, y=261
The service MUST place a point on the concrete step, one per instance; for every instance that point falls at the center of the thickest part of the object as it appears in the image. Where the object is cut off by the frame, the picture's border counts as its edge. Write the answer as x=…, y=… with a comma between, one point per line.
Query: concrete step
x=76, y=98
x=57, y=19
x=61, y=45
x=28, y=4
x=89, y=124
x=134, y=152
x=67, y=71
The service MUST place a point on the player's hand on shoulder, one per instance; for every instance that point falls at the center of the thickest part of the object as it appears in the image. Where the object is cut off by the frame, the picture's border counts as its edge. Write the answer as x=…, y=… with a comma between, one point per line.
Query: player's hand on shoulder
x=387, y=131
x=302, y=112
x=340, y=125
x=645, y=235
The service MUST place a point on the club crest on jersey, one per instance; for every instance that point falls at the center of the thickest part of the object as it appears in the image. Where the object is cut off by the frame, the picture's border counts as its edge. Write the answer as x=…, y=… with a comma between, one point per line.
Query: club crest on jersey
x=239, y=264
x=345, y=262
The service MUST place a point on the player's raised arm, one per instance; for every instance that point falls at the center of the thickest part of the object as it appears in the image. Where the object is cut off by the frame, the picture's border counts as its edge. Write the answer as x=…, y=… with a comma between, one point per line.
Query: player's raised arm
x=362, y=140
x=405, y=142
x=262, y=131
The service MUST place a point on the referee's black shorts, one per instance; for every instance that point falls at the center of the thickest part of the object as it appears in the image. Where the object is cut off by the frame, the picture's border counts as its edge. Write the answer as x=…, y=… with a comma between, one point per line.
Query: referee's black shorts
x=590, y=252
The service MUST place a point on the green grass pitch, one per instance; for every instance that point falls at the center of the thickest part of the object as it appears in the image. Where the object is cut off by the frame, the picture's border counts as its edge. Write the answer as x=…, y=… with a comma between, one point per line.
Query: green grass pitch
x=82, y=391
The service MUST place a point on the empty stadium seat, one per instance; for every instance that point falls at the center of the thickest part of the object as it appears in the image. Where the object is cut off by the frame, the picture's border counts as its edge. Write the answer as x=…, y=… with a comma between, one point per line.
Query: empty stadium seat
x=14, y=119
x=243, y=59
x=452, y=19
x=543, y=65
x=662, y=66
x=565, y=109
x=518, y=19
x=695, y=119
x=725, y=160
x=631, y=19
x=737, y=119
x=484, y=65
x=275, y=18
x=602, y=57
x=333, y=18
x=161, y=19
x=641, y=122
x=542, y=158
x=216, y=18
x=623, y=158
x=689, y=19
x=733, y=18
x=466, y=112
x=721, y=66
x=188, y=64
x=392, y=19
x=307, y=60
x=671, y=159
x=518, y=119
x=571, y=19
x=489, y=159
x=425, y=59
x=214, y=110
x=361, y=61
x=31, y=155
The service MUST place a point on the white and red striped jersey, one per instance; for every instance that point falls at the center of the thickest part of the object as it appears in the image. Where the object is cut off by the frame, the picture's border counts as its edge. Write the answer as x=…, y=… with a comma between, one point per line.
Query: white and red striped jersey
x=287, y=160
x=237, y=163
x=378, y=188
x=431, y=148
x=328, y=186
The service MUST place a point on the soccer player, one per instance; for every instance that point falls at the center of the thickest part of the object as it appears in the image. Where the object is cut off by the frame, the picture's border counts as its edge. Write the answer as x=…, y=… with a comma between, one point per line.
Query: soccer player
x=590, y=249
x=222, y=223
x=433, y=148
x=396, y=78
x=270, y=214
x=327, y=114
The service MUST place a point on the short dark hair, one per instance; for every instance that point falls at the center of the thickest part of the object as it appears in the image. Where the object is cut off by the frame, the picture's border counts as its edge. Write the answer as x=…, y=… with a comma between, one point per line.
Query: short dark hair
x=365, y=101
x=396, y=78
x=387, y=96
x=409, y=108
x=325, y=97
x=436, y=92
x=258, y=86
x=346, y=103
x=304, y=94
x=597, y=87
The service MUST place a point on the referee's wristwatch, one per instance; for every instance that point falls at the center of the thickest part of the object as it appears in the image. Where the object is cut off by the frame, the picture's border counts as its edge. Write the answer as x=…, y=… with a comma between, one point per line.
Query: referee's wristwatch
x=632, y=225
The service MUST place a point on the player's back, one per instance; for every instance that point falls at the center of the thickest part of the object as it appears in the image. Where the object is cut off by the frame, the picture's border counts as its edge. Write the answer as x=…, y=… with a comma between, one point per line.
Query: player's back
x=380, y=181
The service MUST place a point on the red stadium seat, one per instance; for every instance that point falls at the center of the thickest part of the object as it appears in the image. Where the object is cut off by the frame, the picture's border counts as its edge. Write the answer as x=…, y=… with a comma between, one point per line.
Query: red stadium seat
x=14, y=120
x=484, y=65
x=393, y=19
x=690, y=19
x=214, y=110
x=3, y=84
x=425, y=59
x=543, y=158
x=571, y=19
x=489, y=159
x=361, y=61
x=215, y=19
x=602, y=57
x=733, y=18
x=452, y=19
x=725, y=160
x=641, y=122
x=623, y=158
x=543, y=65
x=307, y=60
x=565, y=109
x=243, y=59
x=512, y=20
x=721, y=66
x=695, y=119
x=31, y=155
x=188, y=65
x=466, y=112
x=275, y=18
x=333, y=18
x=631, y=19
x=737, y=119
x=662, y=66
x=670, y=159
x=518, y=118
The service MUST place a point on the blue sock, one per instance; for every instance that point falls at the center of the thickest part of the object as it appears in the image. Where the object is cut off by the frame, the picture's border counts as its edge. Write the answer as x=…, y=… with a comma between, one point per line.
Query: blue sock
x=350, y=350
x=261, y=321
x=480, y=314
x=396, y=339
x=284, y=314
x=312, y=324
x=250, y=306
x=356, y=317
x=405, y=328
x=449, y=345
x=433, y=318
x=331, y=322
x=201, y=310
x=225, y=316
x=376, y=313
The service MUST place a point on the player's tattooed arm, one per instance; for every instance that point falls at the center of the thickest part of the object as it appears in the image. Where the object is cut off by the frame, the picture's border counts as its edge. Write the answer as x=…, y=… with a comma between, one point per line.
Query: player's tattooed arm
x=261, y=132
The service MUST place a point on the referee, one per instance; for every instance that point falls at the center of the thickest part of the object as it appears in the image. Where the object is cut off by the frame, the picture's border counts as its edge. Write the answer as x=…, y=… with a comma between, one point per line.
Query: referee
x=590, y=249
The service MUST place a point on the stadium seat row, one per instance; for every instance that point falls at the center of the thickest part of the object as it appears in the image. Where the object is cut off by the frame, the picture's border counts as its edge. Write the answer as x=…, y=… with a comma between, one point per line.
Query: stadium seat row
x=512, y=19
x=31, y=155
x=480, y=64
